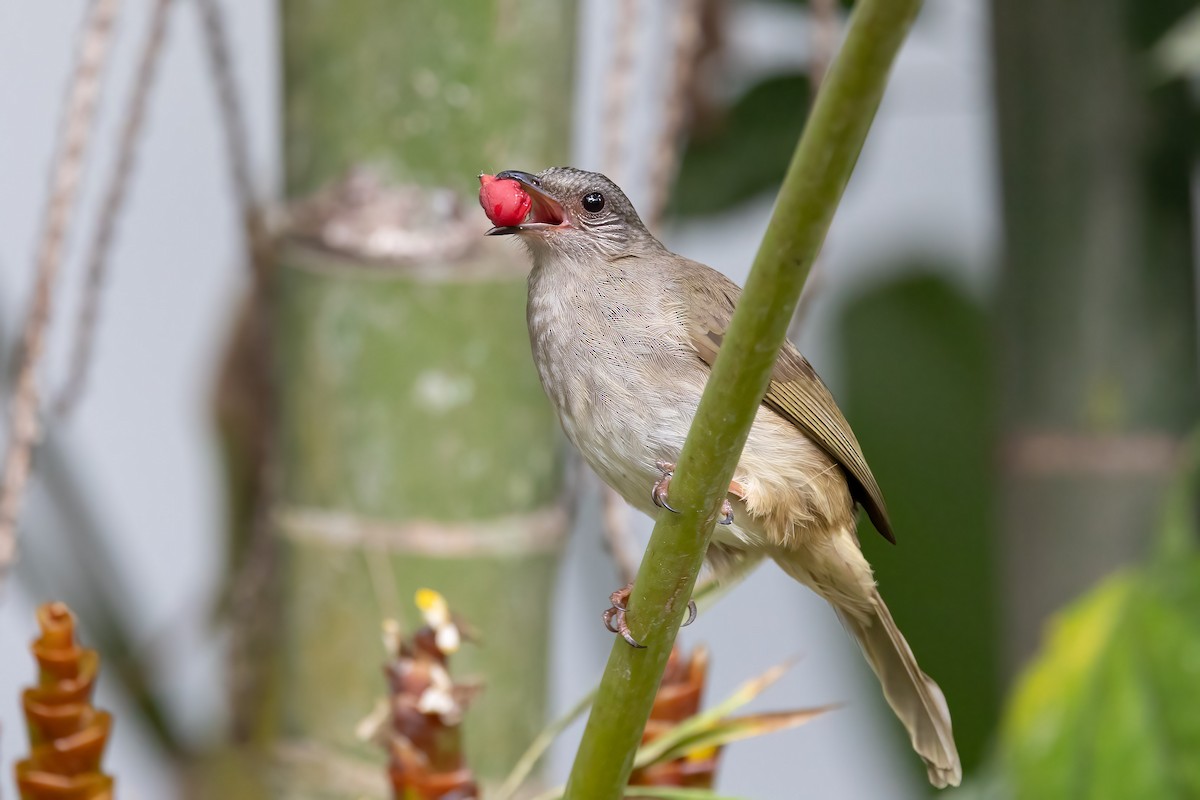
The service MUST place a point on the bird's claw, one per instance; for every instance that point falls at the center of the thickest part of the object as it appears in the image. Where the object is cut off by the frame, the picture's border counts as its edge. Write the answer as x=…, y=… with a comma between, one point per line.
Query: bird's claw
x=614, y=618
x=659, y=493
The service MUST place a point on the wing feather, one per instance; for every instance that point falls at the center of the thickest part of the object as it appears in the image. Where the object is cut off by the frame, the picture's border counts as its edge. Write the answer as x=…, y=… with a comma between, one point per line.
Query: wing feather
x=796, y=392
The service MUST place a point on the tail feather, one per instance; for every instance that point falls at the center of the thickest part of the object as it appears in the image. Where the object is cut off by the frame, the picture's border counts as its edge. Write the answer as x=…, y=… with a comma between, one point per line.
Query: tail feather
x=835, y=569
x=914, y=696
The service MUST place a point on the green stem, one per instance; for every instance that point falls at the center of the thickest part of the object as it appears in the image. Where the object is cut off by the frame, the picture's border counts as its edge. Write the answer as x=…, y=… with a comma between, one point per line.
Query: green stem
x=820, y=168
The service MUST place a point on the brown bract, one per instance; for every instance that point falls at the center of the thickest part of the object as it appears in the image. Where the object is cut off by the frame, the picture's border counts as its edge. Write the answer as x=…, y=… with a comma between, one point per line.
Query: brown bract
x=424, y=734
x=679, y=698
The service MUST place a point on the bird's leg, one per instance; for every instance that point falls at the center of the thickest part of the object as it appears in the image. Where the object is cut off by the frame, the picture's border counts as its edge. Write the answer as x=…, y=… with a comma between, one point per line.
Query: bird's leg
x=659, y=493
x=614, y=618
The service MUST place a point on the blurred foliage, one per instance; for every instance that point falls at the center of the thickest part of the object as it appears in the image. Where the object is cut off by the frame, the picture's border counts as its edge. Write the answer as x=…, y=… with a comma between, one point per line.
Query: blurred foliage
x=986, y=782
x=1166, y=35
x=1178, y=52
x=845, y=4
x=745, y=151
x=919, y=366
x=1106, y=710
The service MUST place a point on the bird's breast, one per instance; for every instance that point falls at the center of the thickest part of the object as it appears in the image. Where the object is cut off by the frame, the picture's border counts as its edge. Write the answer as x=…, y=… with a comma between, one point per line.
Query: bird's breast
x=613, y=362
x=617, y=364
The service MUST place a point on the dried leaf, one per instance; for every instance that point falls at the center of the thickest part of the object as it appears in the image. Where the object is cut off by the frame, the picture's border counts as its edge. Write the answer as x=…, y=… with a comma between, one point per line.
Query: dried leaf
x=747, y=153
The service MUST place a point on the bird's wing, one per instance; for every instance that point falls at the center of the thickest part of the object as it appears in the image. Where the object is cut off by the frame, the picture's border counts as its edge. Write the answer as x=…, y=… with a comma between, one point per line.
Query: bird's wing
x=796, y=392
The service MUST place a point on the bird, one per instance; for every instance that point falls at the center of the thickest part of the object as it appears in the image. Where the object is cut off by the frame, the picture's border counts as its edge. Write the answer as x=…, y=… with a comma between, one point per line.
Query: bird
x=624, y=334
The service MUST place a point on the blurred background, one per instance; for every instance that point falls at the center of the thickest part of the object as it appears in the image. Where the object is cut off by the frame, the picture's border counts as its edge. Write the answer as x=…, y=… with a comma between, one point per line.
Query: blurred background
x=237, y=492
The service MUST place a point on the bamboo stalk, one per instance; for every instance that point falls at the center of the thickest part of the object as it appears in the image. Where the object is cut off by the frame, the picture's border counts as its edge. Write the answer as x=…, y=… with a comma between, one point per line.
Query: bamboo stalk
x=1097, y=298
x=416, y=448
x=815, y=180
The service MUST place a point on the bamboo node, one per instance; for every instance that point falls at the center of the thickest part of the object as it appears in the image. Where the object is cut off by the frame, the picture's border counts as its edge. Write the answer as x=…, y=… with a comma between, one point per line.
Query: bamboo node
x=363, y=217
x=542, y=530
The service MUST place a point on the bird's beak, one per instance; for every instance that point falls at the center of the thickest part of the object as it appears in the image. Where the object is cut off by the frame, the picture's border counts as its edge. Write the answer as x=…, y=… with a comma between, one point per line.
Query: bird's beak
x=544, y=214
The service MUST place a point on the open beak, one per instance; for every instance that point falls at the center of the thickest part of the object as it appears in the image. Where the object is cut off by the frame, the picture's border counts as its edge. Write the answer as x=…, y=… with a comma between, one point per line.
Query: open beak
x=545, y=212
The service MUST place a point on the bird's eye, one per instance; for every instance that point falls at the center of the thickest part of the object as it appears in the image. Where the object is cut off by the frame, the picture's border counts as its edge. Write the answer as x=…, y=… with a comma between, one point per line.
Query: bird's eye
x=593, y=202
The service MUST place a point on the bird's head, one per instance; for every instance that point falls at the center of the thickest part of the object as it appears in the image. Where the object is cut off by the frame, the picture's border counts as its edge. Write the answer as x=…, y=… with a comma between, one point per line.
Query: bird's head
x=576, y=214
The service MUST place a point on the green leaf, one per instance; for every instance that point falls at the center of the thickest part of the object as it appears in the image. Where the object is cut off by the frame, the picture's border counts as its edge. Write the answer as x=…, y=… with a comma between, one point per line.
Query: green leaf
x=663, y=792
x=748, y=153
x=540, y=745
x=1108, y=711
x=738, y=728
x=696, y=724
x=675, y=793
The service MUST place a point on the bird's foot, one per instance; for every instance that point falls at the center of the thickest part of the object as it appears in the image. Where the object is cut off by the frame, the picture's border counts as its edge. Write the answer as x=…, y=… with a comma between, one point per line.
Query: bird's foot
x=659, y=493
x=614, y=618
x=738, y=491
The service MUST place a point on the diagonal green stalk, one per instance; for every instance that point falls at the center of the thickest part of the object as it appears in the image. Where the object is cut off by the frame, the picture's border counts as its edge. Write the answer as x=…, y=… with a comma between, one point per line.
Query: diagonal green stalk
x=814, y=183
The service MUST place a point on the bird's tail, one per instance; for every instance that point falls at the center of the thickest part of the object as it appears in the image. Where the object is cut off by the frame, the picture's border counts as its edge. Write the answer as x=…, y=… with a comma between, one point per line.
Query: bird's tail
x=913, y=695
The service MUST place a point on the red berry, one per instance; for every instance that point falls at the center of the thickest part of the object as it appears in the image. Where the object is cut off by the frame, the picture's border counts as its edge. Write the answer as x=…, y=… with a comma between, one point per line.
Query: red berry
x=504, y=201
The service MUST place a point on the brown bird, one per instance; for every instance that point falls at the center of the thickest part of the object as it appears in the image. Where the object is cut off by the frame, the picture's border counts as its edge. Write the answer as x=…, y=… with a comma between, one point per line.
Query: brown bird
x=624, y=335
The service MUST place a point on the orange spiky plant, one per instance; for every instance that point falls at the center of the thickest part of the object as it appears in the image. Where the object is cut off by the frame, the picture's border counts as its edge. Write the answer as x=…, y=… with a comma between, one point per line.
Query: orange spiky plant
x=67, y=735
